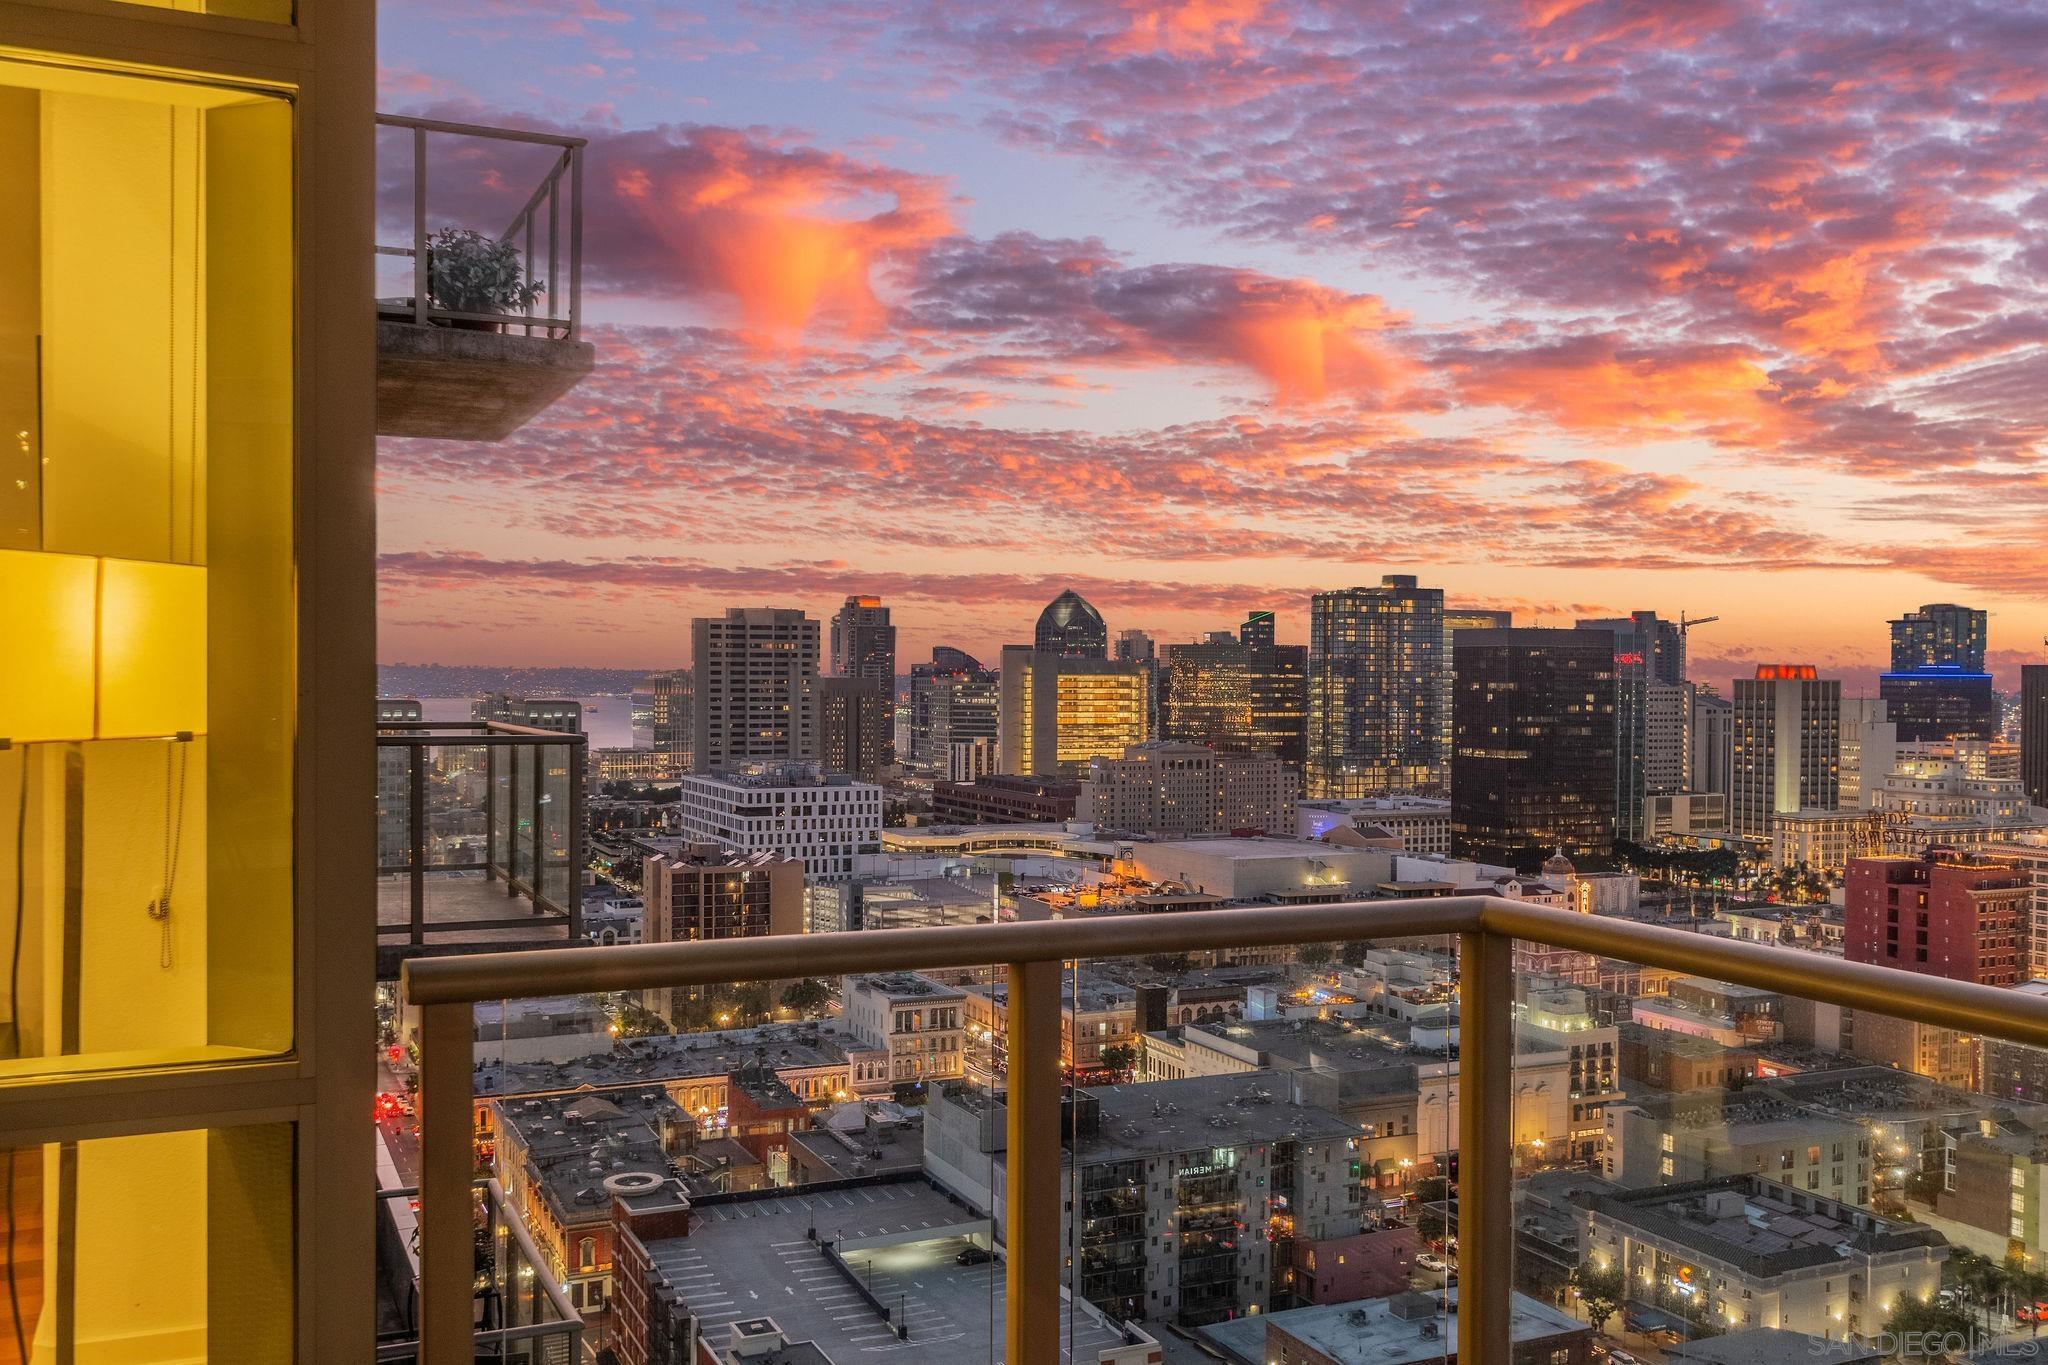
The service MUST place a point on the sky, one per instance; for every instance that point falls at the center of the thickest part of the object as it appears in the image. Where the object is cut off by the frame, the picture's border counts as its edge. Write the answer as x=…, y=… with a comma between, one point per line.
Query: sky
x=1570, y=307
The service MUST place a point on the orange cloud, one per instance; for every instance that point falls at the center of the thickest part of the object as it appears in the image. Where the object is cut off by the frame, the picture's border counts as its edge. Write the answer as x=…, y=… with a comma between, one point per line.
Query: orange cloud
x=1192, y=28
x=1591, y=384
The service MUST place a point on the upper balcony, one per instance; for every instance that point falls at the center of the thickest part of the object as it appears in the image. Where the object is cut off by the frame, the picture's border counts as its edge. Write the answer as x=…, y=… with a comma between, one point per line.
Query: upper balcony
x=477, y=333
x=479, y=838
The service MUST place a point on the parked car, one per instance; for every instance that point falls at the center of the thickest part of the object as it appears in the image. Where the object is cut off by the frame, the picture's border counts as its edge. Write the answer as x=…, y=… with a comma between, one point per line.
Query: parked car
x=974, y=1256
x=1429, y=1260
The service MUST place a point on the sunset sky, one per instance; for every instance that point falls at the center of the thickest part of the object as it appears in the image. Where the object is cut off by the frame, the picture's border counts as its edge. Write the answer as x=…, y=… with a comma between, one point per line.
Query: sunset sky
x=1567, y=306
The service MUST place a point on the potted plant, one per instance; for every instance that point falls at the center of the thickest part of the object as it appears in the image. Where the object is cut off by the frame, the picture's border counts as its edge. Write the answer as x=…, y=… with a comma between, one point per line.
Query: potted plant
x=468, y=272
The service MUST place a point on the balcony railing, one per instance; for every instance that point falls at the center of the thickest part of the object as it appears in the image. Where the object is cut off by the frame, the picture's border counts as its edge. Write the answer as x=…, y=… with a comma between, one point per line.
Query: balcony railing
x=521, y=1316
x=1035, y=955
x=479, y=836
x=546, y=232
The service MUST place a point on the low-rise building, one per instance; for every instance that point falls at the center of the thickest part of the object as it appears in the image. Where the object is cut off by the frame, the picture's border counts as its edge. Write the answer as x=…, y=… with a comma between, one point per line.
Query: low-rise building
x=1824, y=841
x=918, y=1022
x=1408, y=1328
x=1680, y=1139
x=1253, y=869
x=1006, y=799
x=1745, y=1251
x=1422, y=824
x=1665, y=1059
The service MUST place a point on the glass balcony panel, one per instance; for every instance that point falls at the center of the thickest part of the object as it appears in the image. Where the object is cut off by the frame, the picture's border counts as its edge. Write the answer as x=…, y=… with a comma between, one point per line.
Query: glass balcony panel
x=1701, y=1160
x=1256, y=1147
x=146, y=571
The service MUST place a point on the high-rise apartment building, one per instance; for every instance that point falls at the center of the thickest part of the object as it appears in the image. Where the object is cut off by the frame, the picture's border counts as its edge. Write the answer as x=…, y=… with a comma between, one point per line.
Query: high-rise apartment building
x=1169, y=790
x=856, y=727
x=864, y=643
x=1939, y=917
x=1786, y=746
x=1377, y=690
x=669, y=718
x=1135, y=647
x=1713, y=741
x=1940, y=634
x=1649, y=653
x=1071, y=628
x=1058, y=711
x=953, y=701
x=756, y=673
x=2034, y=731
x=1532, y=756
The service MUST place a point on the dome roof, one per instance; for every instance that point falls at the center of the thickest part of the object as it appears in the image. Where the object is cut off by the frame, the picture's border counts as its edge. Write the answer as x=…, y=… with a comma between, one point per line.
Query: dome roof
x=1557, y=865
x=1069, y=625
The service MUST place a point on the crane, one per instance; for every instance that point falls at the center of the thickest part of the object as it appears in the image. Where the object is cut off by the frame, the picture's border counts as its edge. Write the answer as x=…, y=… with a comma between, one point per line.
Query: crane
x=1686, y=623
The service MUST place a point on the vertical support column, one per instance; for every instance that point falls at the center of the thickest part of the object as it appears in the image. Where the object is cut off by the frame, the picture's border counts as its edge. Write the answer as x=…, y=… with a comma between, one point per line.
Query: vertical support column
x=575, y=243
x=416, y=837
x=419, y=227
x=1031, y=1332
x=576, y=852
x=1486, y=1126
x=447, y=1167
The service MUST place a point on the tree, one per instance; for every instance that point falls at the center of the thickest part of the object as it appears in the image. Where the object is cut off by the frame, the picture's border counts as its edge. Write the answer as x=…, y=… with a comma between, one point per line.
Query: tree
x=805, y=996
x=1920, y=1330
x=1601, y=1292
x=1314, y=954
x=1170, y=964
x=1353, y=953
x=1119, y=1057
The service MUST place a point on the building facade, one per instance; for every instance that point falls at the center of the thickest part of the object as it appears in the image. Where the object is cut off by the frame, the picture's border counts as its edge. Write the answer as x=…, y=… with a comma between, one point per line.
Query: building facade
x=1786, y=747
x=864, y=643
x=953, y=700
x=756, y=673
x=1169, y=790
x=1963, y=921
x=1058, y=711
x=1533, y=759
x=1378, y=694
x=822, y=820
x=856, y=727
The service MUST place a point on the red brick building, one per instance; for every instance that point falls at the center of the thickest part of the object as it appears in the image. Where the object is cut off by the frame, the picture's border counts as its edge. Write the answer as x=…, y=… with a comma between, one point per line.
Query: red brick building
x=1940, y=917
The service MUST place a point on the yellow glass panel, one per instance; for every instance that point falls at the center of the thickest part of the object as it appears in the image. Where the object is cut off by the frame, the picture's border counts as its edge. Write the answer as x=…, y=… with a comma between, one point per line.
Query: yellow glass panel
x=46, y=611
x=152, y=649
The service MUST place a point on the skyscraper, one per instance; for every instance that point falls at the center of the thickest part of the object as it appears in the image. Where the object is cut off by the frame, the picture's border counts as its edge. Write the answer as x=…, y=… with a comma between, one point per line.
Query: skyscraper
x=1940, y=633
x=756, y=671
x=1277, y=676
x=1647, y=652
x=1937, y=701
x=953, y=700
x=1205, y=693
x=669, y=717
x=1870, y=750
x=1532, y=757
x=1071, y=628
x=856, y=727
x=2034, y=731
x=1713, y=747
x=1786, y=746
x=1377, y=689
x=864, y=643
x=1059, y=711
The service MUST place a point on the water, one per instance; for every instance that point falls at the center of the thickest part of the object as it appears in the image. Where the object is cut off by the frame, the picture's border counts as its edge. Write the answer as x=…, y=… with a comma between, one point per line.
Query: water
x=607, y=720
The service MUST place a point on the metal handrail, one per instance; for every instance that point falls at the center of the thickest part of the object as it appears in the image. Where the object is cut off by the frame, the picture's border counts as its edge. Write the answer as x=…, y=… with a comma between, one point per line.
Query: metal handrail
x=568, y=165
x=1034, y=952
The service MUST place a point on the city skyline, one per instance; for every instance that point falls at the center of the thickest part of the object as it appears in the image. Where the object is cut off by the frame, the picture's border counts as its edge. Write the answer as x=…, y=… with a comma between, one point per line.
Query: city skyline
x=967, y=308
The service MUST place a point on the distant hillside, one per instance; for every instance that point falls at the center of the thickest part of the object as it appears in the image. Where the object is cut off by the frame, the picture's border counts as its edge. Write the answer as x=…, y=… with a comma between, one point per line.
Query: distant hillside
x=464, y=680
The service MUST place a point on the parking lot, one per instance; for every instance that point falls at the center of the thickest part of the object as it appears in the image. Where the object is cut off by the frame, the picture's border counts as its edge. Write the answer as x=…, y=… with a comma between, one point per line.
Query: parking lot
x=756, y=1259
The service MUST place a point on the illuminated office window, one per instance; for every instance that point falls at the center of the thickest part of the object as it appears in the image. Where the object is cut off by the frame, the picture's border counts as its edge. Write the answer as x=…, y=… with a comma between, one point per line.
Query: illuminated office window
x=146, y=571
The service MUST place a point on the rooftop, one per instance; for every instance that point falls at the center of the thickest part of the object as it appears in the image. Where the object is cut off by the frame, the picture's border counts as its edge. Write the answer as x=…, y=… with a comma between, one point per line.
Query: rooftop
x=1399, y=1330
x=1768, y=1346
x=1202, y=1112
x=583, y=1149
x=671, y=1057
x=1759, y=1227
